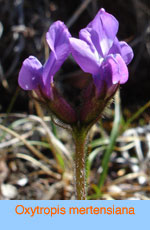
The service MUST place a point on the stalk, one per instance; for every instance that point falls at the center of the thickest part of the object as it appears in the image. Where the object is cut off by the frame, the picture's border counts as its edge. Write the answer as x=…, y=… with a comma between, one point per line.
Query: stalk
x=80, y=164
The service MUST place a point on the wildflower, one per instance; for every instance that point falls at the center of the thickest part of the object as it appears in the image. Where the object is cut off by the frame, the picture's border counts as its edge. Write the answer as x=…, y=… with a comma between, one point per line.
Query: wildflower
x=98, y=52
x=34, y=76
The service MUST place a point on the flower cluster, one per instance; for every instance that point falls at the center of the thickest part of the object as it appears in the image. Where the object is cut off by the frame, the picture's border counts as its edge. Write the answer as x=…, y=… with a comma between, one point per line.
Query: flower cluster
x=97, y=51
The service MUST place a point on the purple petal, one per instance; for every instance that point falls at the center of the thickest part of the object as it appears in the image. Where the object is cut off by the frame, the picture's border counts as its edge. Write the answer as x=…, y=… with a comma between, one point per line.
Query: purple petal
x=47, y=74
x=123, y=49
x=85, y=35
x=126, y=52
x=117, y=68
x=30, y=74
x=115, y=49
x=113, y=71
x=86, y=59
x=58, y=40
x=104, y=29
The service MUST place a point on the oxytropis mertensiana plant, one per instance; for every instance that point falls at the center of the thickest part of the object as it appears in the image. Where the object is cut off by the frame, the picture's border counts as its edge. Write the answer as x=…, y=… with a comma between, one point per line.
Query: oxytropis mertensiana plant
x=99, y=53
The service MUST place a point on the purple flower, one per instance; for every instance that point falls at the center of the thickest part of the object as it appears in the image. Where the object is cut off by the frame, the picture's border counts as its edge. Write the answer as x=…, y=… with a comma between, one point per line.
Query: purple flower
x=98, y=52
x=34, y=76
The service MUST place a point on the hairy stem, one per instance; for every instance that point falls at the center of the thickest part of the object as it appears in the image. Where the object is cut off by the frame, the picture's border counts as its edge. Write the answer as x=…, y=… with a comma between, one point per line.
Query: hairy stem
x=80, y=164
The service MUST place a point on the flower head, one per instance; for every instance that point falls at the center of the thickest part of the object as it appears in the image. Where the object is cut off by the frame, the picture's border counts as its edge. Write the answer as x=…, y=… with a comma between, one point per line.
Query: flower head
x=34, y=76
x=98, y=52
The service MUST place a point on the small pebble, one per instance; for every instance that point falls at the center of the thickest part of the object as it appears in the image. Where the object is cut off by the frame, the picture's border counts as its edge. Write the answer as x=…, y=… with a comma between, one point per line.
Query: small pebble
x=8, y=191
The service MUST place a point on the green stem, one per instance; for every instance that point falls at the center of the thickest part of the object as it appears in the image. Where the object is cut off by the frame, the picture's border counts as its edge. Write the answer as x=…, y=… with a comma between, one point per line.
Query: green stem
x=80, y=164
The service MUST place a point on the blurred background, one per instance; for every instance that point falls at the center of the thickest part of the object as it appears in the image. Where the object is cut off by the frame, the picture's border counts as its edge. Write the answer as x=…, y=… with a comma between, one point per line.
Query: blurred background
x=22, y=33
x=23, y=24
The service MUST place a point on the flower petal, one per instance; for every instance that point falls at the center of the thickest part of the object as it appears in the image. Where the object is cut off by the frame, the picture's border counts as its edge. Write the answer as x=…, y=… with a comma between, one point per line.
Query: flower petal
x=113, y=71
x=58, y=40
x=104, y=28
x=30, y=74
x=47, y=74
x=85, y=35
x=84, y=56
x=115, y=49
x=116, y=66
x=126, y=52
